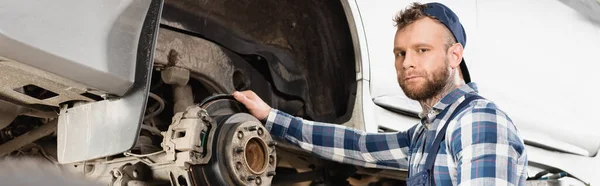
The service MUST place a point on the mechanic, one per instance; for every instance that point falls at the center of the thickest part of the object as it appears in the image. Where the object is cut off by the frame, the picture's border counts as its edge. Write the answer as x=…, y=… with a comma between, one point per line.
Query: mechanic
x=462, y=139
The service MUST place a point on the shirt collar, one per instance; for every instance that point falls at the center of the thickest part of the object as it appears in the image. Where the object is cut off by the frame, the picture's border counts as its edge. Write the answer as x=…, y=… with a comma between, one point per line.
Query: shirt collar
x=448, y=100
x=454, y=95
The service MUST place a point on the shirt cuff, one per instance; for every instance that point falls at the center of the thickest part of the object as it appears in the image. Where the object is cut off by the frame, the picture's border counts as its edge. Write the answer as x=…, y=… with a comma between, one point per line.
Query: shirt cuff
x=270, y=119
x=278, y=122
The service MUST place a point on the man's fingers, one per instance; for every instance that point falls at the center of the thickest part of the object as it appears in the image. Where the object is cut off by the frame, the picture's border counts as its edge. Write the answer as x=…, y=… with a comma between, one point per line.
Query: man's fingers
x=242, y=98
x=255, y=105
x=250, y=95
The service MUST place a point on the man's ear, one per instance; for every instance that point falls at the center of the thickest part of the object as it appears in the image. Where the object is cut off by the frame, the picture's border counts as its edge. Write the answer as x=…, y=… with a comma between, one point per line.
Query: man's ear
x=455, y=53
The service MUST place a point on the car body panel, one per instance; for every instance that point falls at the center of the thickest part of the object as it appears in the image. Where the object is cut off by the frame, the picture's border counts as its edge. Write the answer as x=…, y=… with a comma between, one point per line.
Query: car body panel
x=529, y=57
x=363, y=109
x=112, y=126
x=92, y=42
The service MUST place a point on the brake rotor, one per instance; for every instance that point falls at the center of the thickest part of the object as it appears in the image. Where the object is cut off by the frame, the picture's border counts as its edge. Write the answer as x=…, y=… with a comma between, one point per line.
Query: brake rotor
x=243, y=152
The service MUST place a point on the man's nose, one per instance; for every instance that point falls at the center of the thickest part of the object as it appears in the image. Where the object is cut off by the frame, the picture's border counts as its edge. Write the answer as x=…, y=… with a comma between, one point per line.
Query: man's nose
x=409, y=61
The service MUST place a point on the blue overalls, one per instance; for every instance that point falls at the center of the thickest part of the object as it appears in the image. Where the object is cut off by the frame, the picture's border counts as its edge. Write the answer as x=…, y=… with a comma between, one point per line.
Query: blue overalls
x=425, y=177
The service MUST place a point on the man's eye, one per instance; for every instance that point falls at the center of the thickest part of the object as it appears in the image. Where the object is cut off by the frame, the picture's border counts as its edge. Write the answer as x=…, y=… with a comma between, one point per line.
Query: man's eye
x=401, y=54
x=422, y=50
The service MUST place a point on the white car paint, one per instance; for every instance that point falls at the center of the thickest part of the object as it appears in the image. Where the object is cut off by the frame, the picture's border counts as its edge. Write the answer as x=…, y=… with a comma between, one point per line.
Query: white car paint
x=91, y=42
x=533, y=58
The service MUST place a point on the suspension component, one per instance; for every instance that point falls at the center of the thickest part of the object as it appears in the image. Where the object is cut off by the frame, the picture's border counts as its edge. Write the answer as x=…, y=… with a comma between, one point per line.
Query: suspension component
x=214, y=143
x=186, y=137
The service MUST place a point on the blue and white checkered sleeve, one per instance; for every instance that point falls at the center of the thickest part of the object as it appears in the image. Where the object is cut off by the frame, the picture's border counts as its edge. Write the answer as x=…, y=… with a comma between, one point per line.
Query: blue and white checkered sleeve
x=487, y=148
x=340, y=143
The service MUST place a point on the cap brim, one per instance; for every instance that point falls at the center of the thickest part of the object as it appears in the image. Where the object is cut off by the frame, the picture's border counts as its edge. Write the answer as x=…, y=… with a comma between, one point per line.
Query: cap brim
x=465, y=71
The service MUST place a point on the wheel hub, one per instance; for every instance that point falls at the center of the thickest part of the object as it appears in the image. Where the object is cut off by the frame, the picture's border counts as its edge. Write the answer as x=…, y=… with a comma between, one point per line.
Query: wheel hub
x=243, y=152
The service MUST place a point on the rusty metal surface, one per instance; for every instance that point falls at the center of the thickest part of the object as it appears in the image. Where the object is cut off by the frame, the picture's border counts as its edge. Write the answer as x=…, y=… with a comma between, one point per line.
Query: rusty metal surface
x=243, y=153
x=250, y=152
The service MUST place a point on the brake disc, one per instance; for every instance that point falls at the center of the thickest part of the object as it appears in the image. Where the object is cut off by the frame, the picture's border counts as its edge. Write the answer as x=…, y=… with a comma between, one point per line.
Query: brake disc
x=243, y=152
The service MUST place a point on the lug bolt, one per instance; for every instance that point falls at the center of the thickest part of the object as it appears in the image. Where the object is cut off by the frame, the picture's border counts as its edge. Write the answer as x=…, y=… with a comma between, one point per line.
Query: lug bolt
x=117, y=174
x=240, y=135
x=258, y=181
x=238, y=165
x=239, y=149
x=251, y=128
x=272, y=143
x=271, y=160
x=250, y=178
x=271, y=173
x=260, y=131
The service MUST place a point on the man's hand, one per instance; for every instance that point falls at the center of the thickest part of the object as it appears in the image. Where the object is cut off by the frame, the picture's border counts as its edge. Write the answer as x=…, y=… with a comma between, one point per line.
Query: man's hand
x=255, y=105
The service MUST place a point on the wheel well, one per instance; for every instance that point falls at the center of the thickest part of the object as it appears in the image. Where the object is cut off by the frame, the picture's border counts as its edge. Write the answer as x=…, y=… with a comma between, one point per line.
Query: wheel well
x=302, y=48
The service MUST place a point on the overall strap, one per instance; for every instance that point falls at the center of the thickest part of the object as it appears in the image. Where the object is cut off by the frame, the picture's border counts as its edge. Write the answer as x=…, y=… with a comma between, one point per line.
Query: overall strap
x=436, y=143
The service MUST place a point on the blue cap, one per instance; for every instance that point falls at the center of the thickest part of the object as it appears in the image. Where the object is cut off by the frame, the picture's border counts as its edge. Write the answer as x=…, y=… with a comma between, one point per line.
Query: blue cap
x=450, y=20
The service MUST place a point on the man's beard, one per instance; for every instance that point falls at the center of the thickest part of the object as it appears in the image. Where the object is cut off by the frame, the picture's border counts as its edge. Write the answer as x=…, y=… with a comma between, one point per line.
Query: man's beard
x=432, y=86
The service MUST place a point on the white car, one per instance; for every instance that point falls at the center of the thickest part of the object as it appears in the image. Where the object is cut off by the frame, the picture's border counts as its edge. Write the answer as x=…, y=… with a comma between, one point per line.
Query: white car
x=137, y=91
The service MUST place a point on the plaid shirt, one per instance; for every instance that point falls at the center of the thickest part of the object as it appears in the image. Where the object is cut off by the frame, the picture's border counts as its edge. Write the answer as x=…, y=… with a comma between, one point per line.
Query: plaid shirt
x=482, y=145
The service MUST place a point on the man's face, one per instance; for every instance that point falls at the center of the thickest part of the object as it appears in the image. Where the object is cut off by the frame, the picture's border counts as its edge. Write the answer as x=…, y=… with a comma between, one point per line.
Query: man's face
x=422, y=58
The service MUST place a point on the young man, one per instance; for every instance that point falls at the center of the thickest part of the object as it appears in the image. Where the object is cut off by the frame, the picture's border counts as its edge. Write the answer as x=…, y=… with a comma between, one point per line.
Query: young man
x=462, y=139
